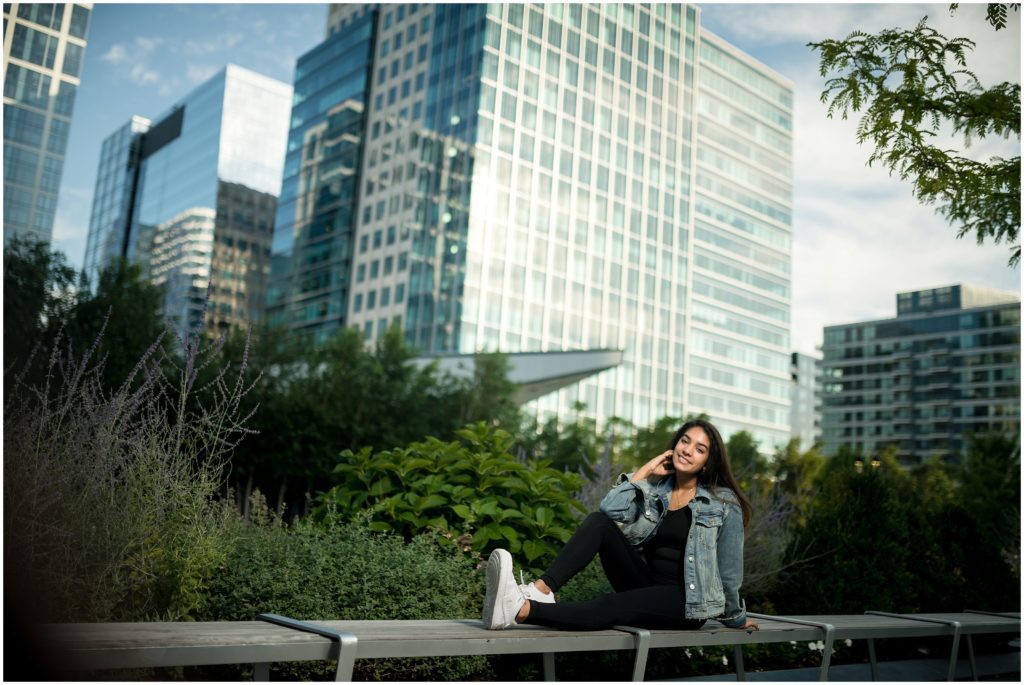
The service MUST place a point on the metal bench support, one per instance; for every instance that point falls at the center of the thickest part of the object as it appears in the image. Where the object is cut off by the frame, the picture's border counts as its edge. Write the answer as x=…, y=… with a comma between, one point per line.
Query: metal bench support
x=737, y=657
x=549, y=667
x=829, y=635
x=346, y=642
x=951, y=675
x=970, y=642
x=643, y=645
x=873, y=659
x=970, y=657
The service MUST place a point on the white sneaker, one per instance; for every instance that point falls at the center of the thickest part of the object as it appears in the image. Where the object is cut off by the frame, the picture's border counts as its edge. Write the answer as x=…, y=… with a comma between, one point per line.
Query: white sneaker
x=503, y=599
x=533, y=593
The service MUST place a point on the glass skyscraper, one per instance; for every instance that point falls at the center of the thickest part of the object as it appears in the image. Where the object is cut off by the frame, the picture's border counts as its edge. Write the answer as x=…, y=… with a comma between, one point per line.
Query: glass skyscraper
x=531, y=179
x=946, y=366
x=196, y=204
x=311, y=262
x=113, y=197
x=44, y=47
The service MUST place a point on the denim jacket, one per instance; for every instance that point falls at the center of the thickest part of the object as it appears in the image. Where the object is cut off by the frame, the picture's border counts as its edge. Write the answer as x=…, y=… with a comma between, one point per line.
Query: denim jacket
x=714, y=549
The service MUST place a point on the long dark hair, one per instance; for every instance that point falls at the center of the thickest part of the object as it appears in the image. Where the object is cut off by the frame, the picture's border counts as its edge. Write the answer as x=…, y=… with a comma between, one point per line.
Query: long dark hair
x=716, y=472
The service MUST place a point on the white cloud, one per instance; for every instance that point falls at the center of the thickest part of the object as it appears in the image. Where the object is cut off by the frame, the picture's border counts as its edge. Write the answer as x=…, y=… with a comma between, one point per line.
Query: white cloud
x=143, y=75
x=115, y=55
x=197, y=73
x=224, y=41
x=132, y=61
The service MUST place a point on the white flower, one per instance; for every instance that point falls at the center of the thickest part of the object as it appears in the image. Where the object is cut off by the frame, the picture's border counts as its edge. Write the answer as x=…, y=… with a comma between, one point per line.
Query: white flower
x=687, y=653
x=725, y=660
x=792, y=642
x=849, y=642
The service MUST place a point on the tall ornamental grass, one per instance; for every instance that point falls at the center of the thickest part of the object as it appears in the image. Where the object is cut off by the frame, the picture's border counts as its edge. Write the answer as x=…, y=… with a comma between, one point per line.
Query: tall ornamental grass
x=111, y=507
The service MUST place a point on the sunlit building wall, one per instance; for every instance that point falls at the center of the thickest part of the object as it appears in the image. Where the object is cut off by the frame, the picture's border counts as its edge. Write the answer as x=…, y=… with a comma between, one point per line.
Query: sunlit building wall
x=44, y=48
x=738, y=312
x=528, y=183
x=946, y=366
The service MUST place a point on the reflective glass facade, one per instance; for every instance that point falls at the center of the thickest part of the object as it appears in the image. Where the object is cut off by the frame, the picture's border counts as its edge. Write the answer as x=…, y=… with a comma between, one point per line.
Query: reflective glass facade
x=113, y=196
x=946, y=366
x=529, y=182
x=202, y=195
x=311, y=261
x=44, y=45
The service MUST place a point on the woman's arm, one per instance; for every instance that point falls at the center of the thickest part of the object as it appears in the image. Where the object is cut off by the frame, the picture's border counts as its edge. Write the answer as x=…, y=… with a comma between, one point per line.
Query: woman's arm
x=627, y=499
x=624, y=502
x=730, y=567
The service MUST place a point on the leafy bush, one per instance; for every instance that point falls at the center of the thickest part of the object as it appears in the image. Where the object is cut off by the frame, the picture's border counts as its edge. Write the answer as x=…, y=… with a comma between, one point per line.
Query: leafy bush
x=109, y=497
x=474, y=487
x=882, y=540
x=343, y=571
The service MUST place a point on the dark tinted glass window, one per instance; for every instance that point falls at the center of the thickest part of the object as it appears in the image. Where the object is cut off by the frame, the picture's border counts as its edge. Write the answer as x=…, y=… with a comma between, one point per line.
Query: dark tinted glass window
x=79, y=22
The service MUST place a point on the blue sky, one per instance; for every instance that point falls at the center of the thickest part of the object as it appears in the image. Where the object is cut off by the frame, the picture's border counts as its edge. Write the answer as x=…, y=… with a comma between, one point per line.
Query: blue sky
x=859, y=235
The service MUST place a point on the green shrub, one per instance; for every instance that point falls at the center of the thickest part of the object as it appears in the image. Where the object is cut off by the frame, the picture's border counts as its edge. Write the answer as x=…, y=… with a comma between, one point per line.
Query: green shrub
x=335, y=571
x=884, y=539
x=474, y=487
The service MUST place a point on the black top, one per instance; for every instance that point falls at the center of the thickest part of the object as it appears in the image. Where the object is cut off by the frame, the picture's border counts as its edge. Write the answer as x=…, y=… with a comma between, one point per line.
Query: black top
x=665, y=550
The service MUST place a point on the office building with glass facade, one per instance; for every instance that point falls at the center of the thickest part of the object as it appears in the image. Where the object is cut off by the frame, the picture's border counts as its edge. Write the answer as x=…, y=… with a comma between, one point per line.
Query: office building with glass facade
x=199, y=195
x=311, y=261
x=113, y=197
x=529, y=181
x=805, y=399
x=44, y=47
x=946, y=366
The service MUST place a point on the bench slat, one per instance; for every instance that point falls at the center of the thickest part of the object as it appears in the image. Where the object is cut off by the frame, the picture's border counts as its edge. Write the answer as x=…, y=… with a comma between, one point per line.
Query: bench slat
x=89, y=646
x=135, y=645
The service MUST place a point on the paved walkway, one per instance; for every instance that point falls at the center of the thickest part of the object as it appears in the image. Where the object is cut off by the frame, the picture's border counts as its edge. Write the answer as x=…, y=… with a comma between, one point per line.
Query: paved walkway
x=1004, y=667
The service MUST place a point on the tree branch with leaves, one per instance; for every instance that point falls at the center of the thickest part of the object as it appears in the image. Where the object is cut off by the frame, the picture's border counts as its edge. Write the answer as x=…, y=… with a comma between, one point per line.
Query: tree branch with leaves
x=909, y=86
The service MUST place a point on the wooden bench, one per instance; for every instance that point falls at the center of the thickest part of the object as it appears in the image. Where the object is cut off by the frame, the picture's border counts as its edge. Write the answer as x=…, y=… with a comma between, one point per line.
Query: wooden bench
x=277, y=639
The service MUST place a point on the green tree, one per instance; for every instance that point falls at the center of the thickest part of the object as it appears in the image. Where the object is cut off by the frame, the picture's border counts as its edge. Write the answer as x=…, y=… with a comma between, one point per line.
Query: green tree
x=574, y=446
x=796, y=472
x=745, y=457
x=489, y=395
x=875, y=540
x=990, y=490
x=125, y=307
x=40, y=291
x=912, y=85
x=311, y=403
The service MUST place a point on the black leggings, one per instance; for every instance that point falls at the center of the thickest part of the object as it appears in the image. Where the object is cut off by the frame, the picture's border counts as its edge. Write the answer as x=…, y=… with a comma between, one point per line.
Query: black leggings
x=637, y=601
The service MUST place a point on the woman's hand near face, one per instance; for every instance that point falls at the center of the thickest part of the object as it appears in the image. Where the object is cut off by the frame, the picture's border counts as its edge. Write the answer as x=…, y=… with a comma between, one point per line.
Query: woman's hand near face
x=659, y=467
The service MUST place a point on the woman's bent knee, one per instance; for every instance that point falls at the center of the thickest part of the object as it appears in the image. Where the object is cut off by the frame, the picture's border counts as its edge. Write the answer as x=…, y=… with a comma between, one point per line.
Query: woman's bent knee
x=597, y=518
